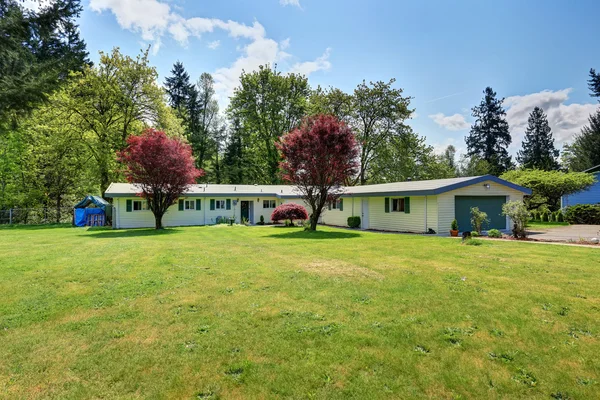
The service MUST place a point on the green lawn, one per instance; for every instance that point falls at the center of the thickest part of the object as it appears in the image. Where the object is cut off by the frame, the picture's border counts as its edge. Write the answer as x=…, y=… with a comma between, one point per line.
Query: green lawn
x=264, y=312
x=545, y=225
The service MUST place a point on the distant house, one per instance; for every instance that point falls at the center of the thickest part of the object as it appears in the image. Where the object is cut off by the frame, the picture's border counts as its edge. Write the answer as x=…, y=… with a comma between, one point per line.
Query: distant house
x=589, y=196
x=414, y=206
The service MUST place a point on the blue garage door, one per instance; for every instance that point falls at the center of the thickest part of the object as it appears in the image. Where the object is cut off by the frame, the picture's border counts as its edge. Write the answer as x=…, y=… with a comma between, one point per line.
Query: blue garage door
x=492, y=205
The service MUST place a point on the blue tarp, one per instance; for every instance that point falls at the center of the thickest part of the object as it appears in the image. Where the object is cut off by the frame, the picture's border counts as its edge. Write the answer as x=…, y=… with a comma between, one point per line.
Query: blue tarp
x=82, y=209
x=82, y=213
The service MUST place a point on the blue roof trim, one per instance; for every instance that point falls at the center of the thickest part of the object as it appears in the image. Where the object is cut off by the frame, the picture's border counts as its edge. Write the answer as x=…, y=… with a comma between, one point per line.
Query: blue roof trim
x=480, y=179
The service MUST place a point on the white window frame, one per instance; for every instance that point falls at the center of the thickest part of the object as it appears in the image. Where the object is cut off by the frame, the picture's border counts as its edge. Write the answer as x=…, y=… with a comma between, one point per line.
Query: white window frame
x=401, y=204
x=219, y=204
x=143, y=205
x=192, y=204
x=270, y=203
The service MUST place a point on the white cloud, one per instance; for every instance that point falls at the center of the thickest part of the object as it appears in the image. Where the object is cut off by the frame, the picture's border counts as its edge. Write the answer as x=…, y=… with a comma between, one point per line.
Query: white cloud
x=153, y=19
x=308, y=67
x=454, y=122
x=214, y=45
x=565, y=119
x=295, y=3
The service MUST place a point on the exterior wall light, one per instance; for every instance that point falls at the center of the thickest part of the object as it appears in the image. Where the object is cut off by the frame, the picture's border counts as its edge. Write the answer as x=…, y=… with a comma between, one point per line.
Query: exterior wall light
x=486, y=186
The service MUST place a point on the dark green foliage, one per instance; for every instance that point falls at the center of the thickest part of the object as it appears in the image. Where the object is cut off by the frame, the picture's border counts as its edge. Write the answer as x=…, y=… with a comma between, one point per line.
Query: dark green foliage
x=354, y=222
x=560, y=217
x=179, y=88
x=594, y=83
x=583, y=214
x=489, y=137
x=538, y=145
x=454, y=225
x=37, y=52
x=582, y=153
x=535, y=215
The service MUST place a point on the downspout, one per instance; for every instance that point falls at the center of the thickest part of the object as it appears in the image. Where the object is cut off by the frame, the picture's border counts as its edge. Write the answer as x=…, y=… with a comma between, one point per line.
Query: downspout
x=426, y=214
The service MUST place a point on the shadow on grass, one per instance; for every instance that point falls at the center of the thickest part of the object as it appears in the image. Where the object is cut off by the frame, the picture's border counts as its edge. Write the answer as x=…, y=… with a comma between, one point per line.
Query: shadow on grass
x=297, y=234
x=35, y=227
x=109, y=234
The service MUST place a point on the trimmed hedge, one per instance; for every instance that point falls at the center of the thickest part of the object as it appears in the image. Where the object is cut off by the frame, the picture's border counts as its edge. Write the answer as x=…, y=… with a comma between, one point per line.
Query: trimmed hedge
x=353, y=222
x=583, y=214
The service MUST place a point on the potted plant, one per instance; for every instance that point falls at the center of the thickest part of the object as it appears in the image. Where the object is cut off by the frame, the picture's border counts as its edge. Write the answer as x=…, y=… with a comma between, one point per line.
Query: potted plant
x=454, y=228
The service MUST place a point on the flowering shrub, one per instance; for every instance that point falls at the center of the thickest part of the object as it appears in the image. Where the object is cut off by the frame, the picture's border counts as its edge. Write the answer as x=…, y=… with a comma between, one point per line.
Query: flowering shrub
x=289, y=212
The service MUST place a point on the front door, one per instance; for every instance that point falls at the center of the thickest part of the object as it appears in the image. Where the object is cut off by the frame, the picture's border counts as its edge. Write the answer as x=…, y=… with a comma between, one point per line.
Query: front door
x=245, y=209
x=364, y=216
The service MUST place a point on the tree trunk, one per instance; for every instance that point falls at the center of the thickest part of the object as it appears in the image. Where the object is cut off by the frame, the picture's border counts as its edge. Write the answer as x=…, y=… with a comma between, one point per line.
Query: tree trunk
x=58, y=201
x=314, y=219
x=158, y=221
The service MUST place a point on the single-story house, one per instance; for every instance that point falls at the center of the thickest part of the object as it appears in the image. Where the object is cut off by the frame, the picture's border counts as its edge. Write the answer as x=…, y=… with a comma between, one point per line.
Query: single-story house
x=589, y=196
x=413, y=206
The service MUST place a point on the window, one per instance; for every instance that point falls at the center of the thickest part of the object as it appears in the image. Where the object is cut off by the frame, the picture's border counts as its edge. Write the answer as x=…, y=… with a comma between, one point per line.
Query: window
x=140, y=205
x=269, y=204
x=398, y=205
x=220, y=204
x=189, y=205
x=336, y=205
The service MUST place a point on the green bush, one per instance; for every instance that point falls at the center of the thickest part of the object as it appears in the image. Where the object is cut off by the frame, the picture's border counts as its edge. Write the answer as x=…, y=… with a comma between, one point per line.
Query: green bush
x=262, y=221
x=560, y=217
x=583, y=214
x=474, y=234
x=454, y=225
x=494, y=233
x=535, y=215
x=354, y=222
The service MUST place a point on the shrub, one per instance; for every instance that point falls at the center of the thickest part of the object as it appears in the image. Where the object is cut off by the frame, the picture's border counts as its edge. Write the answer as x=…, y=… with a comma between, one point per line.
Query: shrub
x=478, y=219
x=560, y=217
x=535, y=215
x=519, y=215
x=454, y=225
x=475, y=234
x=289, y=212
x=261, y=221
x=583, y=214
x=494, y=233
x=354, y=222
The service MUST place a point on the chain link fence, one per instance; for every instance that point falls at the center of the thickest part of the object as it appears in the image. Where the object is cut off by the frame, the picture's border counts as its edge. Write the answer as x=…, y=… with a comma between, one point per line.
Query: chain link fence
x=36, y=216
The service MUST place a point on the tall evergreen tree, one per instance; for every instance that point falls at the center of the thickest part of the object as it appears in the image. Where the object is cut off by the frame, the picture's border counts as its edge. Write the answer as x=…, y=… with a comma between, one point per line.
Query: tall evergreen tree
x=489, y=137
x=178, y=88
x=38, y=49
x=233, y=161
x=538, y=145
x=594, y=83
x=584, y=152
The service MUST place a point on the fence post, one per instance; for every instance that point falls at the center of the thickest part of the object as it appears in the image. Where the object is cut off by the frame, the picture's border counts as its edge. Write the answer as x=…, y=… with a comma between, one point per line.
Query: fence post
x=10, y=216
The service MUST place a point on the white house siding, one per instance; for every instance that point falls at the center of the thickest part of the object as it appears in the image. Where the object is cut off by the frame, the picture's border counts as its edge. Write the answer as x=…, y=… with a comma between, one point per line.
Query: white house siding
x=400, y=221
x=145, y=219
x=446, y=200
x=351, y=207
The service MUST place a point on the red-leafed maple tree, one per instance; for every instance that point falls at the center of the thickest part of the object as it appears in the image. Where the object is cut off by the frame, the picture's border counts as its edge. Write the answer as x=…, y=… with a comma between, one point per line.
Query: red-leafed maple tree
x=318, y=157
x=289, y=212
x=161, y=167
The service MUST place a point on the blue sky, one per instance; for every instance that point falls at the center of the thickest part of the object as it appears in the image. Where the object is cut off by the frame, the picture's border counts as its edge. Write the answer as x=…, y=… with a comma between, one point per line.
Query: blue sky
x=442, y=53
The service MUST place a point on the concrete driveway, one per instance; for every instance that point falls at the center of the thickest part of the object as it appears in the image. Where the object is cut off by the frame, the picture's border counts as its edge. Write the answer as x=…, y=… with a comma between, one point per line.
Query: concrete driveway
x=566, y=233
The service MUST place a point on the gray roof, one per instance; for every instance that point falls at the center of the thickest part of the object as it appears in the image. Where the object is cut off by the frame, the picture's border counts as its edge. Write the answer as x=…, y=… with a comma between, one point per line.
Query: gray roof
x=409, y=188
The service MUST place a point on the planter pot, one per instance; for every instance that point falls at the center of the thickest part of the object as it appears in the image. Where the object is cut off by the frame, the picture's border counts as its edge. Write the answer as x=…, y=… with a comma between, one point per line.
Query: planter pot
x=454, y=233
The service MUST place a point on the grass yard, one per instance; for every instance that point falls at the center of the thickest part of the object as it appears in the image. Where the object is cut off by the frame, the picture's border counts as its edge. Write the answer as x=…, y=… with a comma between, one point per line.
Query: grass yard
x=263, y=312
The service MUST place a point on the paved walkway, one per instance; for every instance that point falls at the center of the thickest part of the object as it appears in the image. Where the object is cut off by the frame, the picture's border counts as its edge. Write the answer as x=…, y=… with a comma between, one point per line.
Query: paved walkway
x=566, y=233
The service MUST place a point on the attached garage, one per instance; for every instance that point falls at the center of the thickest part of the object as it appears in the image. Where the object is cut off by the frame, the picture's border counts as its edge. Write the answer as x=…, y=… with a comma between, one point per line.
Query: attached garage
x=491, y=205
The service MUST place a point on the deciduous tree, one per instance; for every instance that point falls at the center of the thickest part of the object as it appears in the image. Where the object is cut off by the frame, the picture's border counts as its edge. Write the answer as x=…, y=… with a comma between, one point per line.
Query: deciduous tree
x=318, y=157
x=549, y=186
x=161, y=167
x=268, y=104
